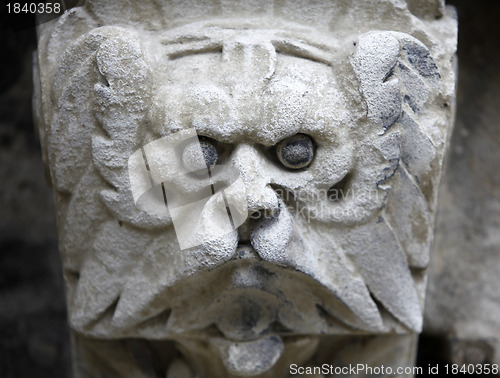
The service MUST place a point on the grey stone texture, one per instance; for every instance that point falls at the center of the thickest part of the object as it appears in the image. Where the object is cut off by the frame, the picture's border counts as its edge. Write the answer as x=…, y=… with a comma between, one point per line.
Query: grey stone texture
x=461, y=318
x=121, y=92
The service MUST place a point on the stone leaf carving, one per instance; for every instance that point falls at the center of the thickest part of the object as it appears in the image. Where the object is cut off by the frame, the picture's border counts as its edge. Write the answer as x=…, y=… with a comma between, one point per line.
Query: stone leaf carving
x=338, y=247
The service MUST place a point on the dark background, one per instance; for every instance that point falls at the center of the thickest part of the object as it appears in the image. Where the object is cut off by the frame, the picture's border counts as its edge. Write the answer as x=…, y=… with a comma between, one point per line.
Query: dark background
x=34, y=337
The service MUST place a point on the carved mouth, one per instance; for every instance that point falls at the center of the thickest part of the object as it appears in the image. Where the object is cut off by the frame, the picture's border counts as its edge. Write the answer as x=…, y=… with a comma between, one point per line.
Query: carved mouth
x=243, y=299
x=262, y=309
x=270, y=283
x=245, y=252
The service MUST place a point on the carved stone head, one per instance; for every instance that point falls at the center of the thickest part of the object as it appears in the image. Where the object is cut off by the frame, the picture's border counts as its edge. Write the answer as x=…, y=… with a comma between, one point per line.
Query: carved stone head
x=243, y=178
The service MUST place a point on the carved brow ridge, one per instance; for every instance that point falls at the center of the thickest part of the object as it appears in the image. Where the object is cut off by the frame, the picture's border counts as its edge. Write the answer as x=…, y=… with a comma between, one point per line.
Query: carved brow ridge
x=191, y=45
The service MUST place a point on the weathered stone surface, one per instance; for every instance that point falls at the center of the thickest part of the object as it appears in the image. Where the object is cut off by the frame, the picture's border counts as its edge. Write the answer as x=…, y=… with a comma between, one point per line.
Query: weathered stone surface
x=334, y=232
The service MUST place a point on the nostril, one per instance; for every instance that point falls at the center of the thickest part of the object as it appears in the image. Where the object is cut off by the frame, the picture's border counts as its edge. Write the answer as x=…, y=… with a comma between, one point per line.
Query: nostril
x=340, y=190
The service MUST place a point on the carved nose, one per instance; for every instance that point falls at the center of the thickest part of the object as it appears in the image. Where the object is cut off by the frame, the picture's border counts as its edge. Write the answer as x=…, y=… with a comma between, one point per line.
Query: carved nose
x=262, y=200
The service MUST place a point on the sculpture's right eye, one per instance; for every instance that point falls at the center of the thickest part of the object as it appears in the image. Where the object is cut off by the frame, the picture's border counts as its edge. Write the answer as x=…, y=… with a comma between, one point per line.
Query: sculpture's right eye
x=199, y=155
x=296, y=152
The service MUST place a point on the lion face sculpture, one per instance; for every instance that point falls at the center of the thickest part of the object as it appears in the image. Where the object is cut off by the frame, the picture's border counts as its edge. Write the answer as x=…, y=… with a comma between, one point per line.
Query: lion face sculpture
x=235, y=188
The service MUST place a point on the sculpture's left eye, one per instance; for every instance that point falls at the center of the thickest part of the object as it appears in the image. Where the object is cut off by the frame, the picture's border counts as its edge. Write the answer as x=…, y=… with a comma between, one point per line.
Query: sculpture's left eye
x=296, y=152
x=199, y=155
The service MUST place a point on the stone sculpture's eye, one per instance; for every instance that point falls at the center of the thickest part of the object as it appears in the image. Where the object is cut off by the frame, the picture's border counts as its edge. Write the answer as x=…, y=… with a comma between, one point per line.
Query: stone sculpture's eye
x=199, y=155
x=296, y=152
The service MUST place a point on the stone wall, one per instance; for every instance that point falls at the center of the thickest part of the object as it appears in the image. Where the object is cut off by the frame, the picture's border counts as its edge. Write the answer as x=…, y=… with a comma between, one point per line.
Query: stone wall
x=463, y=298
x=34, y=337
